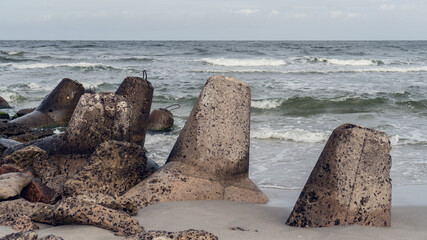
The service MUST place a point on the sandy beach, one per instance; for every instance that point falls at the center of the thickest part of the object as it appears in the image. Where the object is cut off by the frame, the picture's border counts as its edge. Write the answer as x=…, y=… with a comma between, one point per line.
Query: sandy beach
x=260, y=221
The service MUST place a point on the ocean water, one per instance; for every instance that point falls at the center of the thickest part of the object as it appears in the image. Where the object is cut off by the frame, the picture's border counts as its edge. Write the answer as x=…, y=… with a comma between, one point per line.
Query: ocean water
x=301, y=91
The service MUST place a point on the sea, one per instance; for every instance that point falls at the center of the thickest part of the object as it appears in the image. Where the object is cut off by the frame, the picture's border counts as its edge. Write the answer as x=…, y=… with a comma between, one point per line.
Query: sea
x=301, y=91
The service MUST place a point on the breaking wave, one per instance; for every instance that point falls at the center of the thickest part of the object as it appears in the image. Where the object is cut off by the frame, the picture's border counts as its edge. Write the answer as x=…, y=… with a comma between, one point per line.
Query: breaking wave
x=294, y=135
x=235, y=62
x=346, y=62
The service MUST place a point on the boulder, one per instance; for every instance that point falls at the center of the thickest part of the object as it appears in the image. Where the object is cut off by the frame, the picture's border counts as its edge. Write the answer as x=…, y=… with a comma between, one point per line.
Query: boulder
x=19, y=206
x=187, y=234
x=23, y=112
x=11, y=184
x=4, y=103
x=25, y=157
x=56, y=108
x=139, y=93
x=74, y=211
x=36, y=191
x=98, y=118
x=18, y=222
x=114, y=168
x=210, y=159
x=13, y=129
x=10, y=168
x=160, y=120
x=350, y=183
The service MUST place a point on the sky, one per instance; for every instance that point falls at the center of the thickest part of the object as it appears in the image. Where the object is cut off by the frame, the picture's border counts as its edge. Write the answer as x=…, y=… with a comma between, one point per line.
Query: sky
x=213, y=20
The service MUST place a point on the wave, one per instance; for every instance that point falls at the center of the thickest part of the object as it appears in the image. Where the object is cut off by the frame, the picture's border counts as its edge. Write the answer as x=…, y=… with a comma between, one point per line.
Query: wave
x=317, y=71
x=267, y=103
x=346, y=62
x=235, y=62
x=12, y=53
x=294, y=135
x=71, y=65
x=304, y=106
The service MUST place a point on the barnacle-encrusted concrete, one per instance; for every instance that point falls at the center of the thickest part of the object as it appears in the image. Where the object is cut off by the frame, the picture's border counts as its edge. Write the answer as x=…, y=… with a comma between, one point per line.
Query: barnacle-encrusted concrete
x=350, y=182
x=210, y=159
x=98, y=118
x=139, y=93
x=114, y=168
x=56, y=108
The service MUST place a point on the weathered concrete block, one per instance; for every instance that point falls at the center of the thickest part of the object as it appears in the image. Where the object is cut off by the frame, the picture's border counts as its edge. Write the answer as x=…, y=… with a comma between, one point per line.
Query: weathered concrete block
x=211, y=153
x=113, y=169
x=98, y=118
x=350, y=182
x=25, y=157
x=56, y=108
x=18, y=222
x=139, y=93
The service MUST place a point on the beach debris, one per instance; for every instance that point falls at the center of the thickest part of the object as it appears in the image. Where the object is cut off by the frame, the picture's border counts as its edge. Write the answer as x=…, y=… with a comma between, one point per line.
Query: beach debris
x=350, y=183
x=239, y=229
x=139, y=93
x=76, y=211
x=57, y=108
x=18, y=222
x=161, y=119
x=210, y=159
x=4, y=103
x=23, y=112
x=11, y=184
x=98, y=117
x=29, y=235
x=187, y=234
x=114, y=168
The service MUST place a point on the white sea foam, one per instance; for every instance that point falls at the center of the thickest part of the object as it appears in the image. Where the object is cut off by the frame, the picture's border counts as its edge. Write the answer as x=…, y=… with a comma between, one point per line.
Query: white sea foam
x=48, y=65
x=317, y=71
x=394, y=140
x=353, y=62
x=235, y=62
x=267, y=103
x=10, y=53
x=295, y=135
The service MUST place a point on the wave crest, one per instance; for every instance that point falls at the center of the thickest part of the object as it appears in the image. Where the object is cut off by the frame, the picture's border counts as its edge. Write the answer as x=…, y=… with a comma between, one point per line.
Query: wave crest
x=235, y=62
x=294, y=135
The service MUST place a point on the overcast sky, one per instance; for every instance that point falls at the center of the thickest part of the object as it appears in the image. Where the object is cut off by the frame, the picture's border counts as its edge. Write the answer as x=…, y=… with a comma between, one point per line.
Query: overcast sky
x=214, y=19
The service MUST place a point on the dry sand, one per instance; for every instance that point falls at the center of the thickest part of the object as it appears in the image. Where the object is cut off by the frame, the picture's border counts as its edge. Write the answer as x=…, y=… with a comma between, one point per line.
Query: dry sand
x=409, y=219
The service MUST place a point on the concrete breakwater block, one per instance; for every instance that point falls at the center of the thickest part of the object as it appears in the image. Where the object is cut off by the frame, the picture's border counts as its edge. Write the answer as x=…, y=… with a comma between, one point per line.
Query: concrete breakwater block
x=56, y=108
x=210, y=159
x=139, y=93
x=98, y=118
x=160, y=120
x=350, y=183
